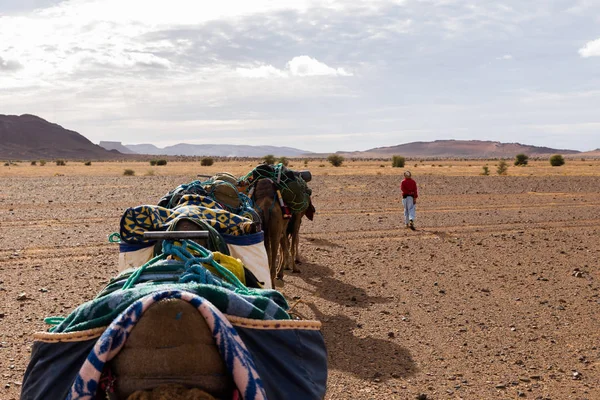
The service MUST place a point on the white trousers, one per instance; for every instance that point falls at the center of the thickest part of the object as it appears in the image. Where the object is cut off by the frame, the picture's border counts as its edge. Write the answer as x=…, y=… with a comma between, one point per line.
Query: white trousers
x=409, y=209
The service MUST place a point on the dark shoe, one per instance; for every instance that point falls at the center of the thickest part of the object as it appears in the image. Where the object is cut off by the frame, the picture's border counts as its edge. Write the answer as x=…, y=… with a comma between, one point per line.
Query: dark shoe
x=411, y=225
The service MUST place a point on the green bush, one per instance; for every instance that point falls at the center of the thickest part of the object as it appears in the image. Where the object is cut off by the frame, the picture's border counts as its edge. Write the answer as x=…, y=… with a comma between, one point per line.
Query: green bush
x=207, y=161
x=557, y=160
x=61, y=162
x=284, y=161
x=87, y=163
x=398, y=161
x=160, y=162
x=336, y=160
x=502, y=167
x=521, y=159
x=305, y=163
x=34, y=162
x=269, y=159
x=42, y=162
x=129, y=172
x=153, y=163
x=486, y=170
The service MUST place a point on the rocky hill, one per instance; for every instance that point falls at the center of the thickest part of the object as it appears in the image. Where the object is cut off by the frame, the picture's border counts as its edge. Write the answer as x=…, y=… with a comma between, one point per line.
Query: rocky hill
x=27, y=137
x=459, y=149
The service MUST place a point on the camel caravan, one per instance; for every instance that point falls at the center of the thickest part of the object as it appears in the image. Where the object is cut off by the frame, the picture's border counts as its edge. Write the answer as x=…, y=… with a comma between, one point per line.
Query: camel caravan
x=193, y=312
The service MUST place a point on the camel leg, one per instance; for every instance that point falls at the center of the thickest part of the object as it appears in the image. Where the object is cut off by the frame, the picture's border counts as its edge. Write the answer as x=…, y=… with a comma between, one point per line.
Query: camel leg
x=295, y=239
x=286, y=258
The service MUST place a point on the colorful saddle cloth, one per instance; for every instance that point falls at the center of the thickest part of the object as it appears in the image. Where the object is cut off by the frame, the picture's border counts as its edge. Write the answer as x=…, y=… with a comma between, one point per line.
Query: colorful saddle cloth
x=137, y=220
x=267, y=354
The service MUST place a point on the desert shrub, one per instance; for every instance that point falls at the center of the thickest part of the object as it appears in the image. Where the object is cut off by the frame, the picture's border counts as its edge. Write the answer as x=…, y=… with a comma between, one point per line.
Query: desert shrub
x=161, y=162
x=557, y=160
x=381, y=166
x=502, y=167
x=61, y=162
x=153, y=163
x=207, y=161
x=521, y=159
x=486, y=170
x=129, y=172
x=335, y=159
x=398, y=161
x=150, y=172
x=34, y=162
x=87, y=163
x=42, y=162
x=269, y=159
x=284, y=161
x=306, y=163
x=416, y=165
x=7, y=164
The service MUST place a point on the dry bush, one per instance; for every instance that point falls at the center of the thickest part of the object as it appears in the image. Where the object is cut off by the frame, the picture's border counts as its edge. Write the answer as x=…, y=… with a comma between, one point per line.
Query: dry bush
x=336, y=160
x=207, y=161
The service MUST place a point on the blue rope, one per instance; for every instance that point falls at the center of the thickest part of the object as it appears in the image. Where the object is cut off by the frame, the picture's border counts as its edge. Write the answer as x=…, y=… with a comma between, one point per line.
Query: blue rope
x=194, y=270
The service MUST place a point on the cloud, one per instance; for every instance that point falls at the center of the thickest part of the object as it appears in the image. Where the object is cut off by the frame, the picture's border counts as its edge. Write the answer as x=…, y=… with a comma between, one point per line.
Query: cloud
x=300, y=66
x=9, y=65
x=591, y=49
x=264, y=71
x=505, y=57
x=308, y=66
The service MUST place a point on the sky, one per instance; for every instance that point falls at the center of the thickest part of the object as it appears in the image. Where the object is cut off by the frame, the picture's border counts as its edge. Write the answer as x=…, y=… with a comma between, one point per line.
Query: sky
x=322, y=76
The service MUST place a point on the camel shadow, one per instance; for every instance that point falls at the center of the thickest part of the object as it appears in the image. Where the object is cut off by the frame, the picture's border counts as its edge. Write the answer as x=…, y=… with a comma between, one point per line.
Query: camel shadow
x=334, y=290
x=365, y=357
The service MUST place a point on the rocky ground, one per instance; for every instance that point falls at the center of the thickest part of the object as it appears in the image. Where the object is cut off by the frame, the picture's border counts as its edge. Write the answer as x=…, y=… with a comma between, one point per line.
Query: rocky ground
x=496, y=295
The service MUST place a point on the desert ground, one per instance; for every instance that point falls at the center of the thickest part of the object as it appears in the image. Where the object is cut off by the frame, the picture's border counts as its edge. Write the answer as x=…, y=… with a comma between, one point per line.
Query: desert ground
x=496, y=295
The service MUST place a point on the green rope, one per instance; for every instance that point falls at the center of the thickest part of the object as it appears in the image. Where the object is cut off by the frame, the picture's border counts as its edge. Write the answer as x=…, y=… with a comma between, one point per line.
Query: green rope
x=169, y=248
x=282, y=184
x=138, y=272
x=114, y=237
x=55, y=321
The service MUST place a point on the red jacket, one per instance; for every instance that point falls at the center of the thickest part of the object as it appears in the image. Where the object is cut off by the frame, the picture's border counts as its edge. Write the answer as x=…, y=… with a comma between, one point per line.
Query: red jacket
x=409, y=188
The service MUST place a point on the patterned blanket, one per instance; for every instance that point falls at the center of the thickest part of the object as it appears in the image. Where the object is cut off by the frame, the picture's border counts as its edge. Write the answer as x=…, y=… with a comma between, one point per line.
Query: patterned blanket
x=237, y=358
x=137, y=220
x=260, y=304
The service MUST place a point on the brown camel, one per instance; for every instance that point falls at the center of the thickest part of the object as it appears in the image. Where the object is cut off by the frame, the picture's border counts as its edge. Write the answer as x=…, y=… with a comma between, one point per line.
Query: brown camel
x=273, y=224
x=293, y=235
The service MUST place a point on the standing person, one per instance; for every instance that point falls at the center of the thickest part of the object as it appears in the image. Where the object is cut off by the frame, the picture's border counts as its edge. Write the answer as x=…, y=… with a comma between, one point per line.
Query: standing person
x=409, y=199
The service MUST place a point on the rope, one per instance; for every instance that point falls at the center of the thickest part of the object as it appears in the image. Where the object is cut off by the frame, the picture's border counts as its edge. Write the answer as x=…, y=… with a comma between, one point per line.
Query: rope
x=194, y=270
x=282, y=182
x=114, y=237
x=296, y=313
x=55, y=321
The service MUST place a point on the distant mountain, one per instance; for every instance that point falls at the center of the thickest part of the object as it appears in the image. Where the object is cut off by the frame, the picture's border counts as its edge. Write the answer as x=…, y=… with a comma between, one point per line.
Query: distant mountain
x=144, y=149
x=459, y=148
x=116, y=146
x=217, y=150
x=29, y=137
x=592, y=153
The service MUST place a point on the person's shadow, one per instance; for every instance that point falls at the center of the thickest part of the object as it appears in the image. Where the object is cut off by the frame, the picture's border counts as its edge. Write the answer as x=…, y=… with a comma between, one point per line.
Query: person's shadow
x=368, y=358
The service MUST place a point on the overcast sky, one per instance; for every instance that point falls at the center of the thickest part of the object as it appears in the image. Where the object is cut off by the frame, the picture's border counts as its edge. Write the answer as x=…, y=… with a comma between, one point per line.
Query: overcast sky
x=318, y=75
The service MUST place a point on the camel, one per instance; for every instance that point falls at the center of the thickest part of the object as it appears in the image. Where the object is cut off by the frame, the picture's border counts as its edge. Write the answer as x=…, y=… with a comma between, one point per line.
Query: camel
x=274, y=225
x=293, y=235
